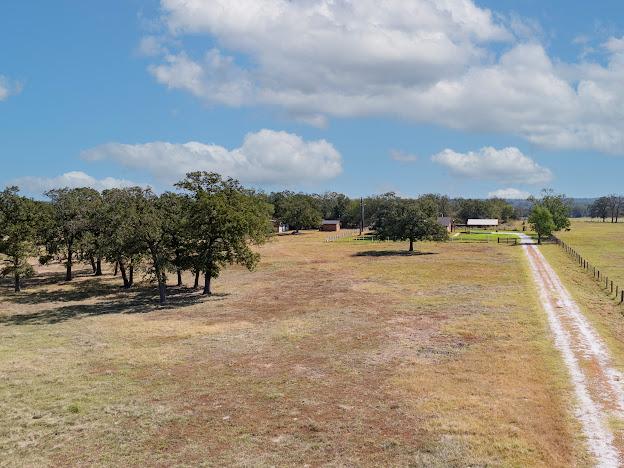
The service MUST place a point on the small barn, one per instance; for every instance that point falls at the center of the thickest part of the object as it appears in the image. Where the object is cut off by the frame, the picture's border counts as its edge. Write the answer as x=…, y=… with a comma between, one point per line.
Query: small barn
x=280, y=227
x=330, y=225
x=482, y=223
x=447, y=222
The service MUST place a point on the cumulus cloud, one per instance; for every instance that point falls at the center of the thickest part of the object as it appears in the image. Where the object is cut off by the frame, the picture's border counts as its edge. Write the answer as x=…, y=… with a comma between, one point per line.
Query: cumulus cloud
x=8, y=87
x=614, y=44
x=216, y=78
x=507, y=165
x=73, y=179
x=400, y=156
x=266, y=157
x=428, y=61
x=151, y=46
x=509, y=194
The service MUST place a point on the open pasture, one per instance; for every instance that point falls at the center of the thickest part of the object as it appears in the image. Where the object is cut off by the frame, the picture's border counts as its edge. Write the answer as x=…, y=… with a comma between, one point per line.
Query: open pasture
x=329, y=353
x=600, y=243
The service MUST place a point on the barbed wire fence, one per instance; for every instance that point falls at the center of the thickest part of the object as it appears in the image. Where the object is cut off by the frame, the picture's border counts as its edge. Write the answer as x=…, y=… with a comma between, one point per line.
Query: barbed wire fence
x=610, y=286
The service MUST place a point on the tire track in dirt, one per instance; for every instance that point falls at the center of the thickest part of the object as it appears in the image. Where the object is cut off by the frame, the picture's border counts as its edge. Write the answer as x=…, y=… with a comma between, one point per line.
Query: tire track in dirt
x=597, y=384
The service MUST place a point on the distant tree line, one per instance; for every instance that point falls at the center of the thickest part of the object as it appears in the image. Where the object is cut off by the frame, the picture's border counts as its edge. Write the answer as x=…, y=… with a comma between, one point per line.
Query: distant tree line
x=608, y=207
x=305, y=211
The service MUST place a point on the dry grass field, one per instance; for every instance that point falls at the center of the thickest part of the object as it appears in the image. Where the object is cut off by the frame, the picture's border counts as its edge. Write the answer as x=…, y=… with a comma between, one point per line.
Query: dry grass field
x=334, y=354
x=600, y=243
x=603, y=245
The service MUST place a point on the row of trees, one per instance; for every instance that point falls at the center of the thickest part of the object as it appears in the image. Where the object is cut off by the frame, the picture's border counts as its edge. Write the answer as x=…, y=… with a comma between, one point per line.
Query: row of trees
x=212, y=222
x=607, y=207
x=301, y=211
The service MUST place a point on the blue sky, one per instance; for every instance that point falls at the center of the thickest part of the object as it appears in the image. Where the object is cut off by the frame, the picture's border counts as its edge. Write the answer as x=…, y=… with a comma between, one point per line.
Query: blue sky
x=315, y=95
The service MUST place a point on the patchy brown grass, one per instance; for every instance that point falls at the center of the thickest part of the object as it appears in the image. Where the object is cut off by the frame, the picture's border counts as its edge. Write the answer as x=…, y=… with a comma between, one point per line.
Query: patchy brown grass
x=326, y=355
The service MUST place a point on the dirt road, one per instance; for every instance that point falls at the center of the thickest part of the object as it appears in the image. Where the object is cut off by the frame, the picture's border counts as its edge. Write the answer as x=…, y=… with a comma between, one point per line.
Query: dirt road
x=597, y=383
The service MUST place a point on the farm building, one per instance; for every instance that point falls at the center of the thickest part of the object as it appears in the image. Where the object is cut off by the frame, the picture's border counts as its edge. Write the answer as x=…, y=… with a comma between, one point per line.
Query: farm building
x=482, y=223
x=447, y=222
x=330, y=225
x=280, y=227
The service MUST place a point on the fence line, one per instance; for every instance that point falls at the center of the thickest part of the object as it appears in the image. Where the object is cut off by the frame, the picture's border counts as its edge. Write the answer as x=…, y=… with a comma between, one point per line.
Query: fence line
x=343, y=233
x=594, y=270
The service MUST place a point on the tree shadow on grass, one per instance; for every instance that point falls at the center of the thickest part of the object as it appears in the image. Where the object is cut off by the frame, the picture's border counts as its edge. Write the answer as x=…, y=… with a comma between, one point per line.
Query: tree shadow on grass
x=91, y=288
x=136, y=301
x=47, y=278
x=391, y=253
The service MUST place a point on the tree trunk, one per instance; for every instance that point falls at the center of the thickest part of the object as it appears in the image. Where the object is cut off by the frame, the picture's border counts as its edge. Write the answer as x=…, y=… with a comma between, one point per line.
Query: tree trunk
x=68, y=272
x=116, y=269
x=92, y=261
x=178, y=269
x=196, y=284
x=18, y=288
x=411, y=247
x=98, y=267
x=208, y=270
x=131, y=270
x=162, y=288
x=207, y=279
x=122, y=269
x=539, y=239
x=160, y=275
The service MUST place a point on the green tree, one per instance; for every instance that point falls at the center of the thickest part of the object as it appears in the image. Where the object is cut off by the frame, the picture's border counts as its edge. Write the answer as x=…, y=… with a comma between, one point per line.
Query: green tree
x=600, y=208
x=559, y=207
x=90, y=246
x=333, y=205
x=72, y=210
x=120, y=217
x=541, y=221
x=224, y=220
x=299, y=212
x=402, y=220
x=17, y=235
x=150, y=232
x=175, y=210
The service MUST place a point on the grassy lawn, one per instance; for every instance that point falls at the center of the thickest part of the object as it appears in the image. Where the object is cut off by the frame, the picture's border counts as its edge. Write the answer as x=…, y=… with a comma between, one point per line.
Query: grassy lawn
x=337, y=353
x=600, y=243
x=482, y=236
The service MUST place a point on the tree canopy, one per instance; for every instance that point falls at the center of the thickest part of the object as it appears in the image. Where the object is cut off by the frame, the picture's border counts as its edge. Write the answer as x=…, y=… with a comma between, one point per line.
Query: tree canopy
x=17, y=235
x=559, y=207
x=541, y=221
x=224, y=219
x=402, y=220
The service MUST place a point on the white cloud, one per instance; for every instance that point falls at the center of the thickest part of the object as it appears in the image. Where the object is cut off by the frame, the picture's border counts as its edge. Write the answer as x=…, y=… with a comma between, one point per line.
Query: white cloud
x=73, y=179
x=425, y=60
x=509, y=194
x=151, y=46
x=8, y=87
x=216, y=79
x=266, y=157
x=400, y=156
x=614, y=44
x=507, y=165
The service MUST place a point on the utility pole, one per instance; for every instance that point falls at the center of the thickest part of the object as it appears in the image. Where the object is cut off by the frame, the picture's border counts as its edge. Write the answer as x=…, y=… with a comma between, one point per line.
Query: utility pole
x=361, y=215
